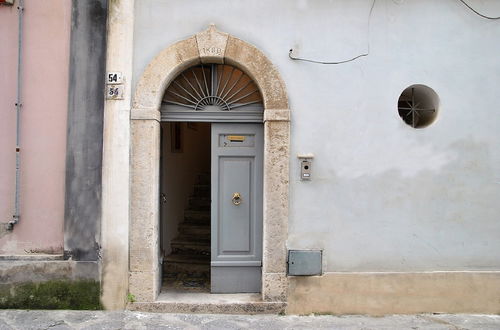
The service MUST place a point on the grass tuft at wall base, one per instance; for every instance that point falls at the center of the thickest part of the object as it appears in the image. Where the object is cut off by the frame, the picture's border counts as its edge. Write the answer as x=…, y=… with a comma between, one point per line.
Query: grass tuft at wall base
x=83, y=294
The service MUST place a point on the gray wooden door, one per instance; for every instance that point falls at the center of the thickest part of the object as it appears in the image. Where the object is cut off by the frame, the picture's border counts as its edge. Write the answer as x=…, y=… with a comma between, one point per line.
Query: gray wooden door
x=236, y=219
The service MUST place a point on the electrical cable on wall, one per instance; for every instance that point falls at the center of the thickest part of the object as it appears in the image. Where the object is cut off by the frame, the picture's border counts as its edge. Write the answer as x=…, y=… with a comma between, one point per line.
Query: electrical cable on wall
x=290, y=53
x=478, y=13
x=344, y=61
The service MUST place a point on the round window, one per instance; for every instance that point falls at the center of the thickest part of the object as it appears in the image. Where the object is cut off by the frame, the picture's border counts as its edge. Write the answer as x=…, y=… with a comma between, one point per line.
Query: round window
x=418, y=106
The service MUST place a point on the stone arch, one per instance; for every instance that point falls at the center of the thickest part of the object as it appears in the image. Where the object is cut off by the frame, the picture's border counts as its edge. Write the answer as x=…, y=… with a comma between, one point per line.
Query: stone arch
x=209, y=46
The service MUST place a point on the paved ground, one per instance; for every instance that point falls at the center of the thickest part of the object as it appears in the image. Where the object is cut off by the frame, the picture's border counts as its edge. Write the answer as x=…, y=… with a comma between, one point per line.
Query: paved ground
x=19, y=319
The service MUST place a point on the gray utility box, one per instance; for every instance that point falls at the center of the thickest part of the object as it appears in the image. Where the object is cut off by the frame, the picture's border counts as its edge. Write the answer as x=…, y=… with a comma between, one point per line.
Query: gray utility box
x=304, y=262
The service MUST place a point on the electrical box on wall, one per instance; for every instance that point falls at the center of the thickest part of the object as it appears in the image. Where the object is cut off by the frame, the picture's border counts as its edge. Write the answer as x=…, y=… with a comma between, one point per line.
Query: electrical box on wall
x=6, y=2
x=305, y=166
x=305, y=262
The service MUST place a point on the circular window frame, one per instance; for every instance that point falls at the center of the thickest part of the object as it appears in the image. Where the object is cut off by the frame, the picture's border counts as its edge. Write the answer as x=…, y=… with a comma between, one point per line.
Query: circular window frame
x=418, y=106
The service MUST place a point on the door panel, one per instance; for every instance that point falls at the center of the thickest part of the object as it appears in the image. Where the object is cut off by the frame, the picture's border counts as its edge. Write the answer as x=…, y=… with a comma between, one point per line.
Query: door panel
x=236, y=251
x=235, y=222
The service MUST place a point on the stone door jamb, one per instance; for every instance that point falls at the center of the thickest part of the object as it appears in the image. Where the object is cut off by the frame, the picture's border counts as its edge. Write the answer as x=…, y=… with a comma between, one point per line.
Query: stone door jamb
x=209, y=46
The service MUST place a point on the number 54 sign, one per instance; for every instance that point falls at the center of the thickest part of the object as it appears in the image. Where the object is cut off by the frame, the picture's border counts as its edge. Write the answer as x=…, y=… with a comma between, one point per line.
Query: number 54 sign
x=113, y=78
x=114, y=86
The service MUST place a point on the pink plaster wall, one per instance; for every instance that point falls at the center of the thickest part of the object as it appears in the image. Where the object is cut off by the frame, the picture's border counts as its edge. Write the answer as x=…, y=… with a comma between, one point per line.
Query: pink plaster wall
x=46, y=37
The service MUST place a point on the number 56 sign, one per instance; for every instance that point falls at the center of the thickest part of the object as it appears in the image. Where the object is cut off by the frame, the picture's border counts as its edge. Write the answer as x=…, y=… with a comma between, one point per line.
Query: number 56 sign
x=114, y=92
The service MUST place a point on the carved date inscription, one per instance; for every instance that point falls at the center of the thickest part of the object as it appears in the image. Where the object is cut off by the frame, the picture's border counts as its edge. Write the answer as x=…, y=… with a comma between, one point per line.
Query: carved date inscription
x=212, y=51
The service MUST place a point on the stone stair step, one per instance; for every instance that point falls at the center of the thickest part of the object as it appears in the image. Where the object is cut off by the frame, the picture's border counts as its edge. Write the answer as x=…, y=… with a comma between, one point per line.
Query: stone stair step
x=210, y=304
x=199, y=203
x=198, y=208
x=203, y=230
x=192, y=216
x=191, y=240
x=200, y=200
x=192, y=259
x=175, y=271
x=190, y=249
x=201, y=190
x=186, y=263
x=190, y=245
x=203, y=178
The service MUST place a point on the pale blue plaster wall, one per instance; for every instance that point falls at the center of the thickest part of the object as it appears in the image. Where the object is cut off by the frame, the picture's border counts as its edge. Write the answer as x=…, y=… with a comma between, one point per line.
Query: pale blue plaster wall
x=384, y=197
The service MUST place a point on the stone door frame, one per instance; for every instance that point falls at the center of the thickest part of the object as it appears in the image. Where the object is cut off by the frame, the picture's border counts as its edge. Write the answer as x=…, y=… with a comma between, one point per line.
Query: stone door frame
x=209, y=46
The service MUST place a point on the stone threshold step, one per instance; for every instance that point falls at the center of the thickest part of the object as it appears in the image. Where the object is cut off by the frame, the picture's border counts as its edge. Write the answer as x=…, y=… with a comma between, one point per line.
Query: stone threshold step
x=206, y=303
x=200, y=308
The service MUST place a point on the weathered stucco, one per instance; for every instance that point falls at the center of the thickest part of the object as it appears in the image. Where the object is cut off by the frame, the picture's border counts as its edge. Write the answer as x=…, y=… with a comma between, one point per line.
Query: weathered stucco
x=115, y=164
x=46, y=282
x=85, y=130
x=43, y=125
x=395, y=293
x=383, y=196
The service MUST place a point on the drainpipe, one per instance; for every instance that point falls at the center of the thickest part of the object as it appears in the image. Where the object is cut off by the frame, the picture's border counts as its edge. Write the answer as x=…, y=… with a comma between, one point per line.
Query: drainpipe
x=15, y=217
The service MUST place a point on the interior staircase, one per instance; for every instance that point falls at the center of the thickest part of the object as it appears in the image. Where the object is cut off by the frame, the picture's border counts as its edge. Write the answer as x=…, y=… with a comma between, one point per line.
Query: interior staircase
x=188, y=265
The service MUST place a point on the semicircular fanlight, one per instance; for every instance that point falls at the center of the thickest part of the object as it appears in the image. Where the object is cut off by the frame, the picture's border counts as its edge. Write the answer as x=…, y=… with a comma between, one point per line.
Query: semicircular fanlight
x=214, y=87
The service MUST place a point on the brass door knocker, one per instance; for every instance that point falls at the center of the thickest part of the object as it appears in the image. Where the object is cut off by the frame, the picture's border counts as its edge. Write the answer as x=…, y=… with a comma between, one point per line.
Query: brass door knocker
x=237, y=198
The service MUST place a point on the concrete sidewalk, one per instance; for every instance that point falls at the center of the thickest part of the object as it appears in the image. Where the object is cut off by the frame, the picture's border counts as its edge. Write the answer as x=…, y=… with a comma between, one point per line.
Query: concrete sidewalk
x=21, y=319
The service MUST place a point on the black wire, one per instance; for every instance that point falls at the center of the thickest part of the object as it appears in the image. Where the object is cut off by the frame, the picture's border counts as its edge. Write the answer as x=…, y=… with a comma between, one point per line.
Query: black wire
x=344, y=61
x=476, y=12
x=321, y=62
x=368, y=52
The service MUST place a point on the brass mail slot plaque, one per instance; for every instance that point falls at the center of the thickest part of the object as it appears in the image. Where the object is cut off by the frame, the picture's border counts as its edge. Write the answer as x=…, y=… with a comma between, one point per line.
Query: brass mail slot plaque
x=236, y=141
x=236, y=138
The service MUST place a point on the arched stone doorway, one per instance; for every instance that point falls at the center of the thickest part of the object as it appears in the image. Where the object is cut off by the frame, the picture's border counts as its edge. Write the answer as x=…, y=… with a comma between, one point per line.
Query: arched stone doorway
x=209, y=46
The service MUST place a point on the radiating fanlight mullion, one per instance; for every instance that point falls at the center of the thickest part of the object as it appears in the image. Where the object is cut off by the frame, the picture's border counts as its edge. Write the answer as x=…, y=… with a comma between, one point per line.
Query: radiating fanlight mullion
x=182, y=97
x=217, y=86
x=239, y=90
x=227, y=81
x=230, y=89
x=205, y=80
x=244, y=104
x=180, y=104
x=198, y=83
x=242, y=97
x=185, y=90
x=219, y=79
x=189, y=83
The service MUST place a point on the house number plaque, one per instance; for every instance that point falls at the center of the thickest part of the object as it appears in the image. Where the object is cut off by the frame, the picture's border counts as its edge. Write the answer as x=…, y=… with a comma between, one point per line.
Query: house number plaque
x=114, y=86
x=114, y=92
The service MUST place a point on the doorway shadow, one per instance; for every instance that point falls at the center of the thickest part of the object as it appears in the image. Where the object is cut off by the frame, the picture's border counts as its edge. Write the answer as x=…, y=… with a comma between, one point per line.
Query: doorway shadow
x=185, y=207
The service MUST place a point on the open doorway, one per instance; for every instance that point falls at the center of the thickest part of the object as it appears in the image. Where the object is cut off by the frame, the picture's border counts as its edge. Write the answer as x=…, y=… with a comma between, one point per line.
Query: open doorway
x=211, y=188
x=185, y=206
